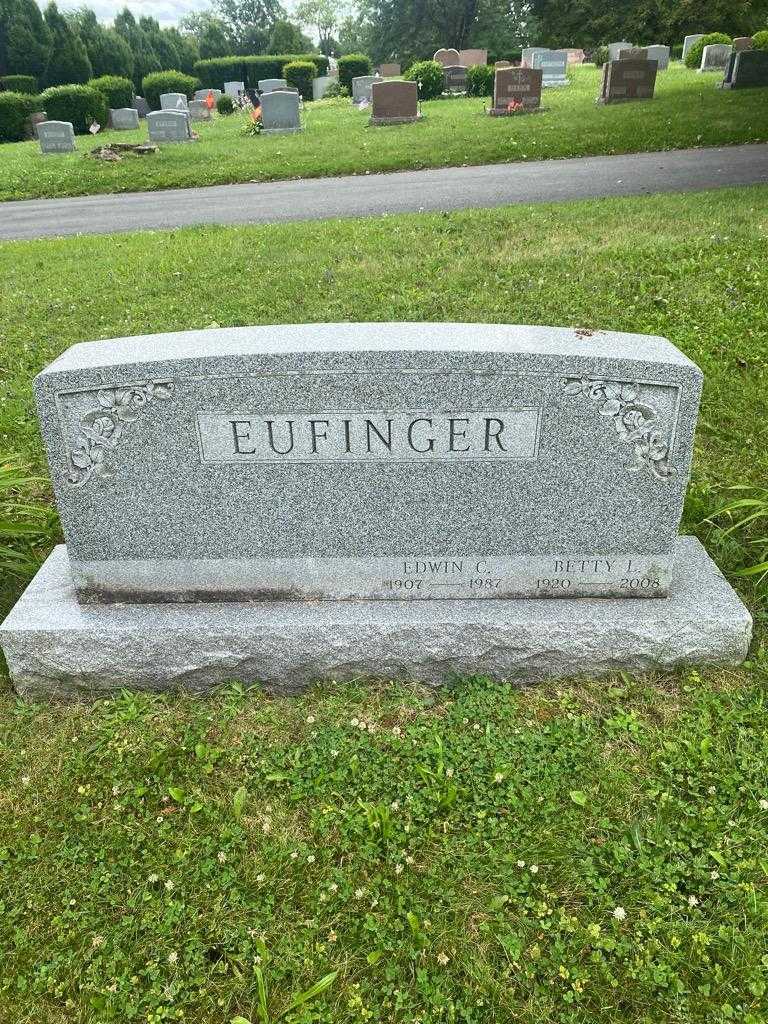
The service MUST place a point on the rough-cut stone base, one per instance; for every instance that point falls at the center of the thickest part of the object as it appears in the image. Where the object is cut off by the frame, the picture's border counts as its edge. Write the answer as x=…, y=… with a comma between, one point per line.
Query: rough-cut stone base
x=55, y=647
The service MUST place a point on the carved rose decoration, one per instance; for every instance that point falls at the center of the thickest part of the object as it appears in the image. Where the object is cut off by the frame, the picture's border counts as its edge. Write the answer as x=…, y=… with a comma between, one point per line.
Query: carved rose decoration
x=635, y=421
x=101, y=429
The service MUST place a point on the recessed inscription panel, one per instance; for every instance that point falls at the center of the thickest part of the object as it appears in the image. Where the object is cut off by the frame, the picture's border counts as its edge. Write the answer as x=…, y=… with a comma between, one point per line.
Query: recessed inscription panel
x=421, y=436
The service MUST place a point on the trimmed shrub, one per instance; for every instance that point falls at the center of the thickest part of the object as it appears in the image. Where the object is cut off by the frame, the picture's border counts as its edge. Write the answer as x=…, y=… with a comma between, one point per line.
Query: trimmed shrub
x=760, y=40
x=429, y=76
x=693, y=59
x=353, y=66
x=334, y=90
x=79, y=104
x=225, y=105
x=15, y=108
x=215, y=71
x=118, y=92
x=154, y=85
x=19, y=83
x=676, y=52
x=299, y=74
x=480, y=80
x=600, y=56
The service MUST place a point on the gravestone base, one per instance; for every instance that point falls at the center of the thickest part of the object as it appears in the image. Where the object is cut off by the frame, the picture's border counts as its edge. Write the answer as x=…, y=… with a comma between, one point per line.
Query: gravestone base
x=378, y=122
x=603, y=101
x=503, y=112
x=56, y=647
x=282, y=131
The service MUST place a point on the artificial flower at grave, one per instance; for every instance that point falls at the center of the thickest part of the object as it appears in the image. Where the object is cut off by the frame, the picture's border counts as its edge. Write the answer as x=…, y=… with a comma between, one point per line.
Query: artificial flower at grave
x=210, y=100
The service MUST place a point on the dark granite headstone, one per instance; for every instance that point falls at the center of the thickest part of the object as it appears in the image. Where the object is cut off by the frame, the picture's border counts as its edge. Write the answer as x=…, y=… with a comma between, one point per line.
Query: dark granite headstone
x=747, y=69
x=516, y=86
x=455, y=78
x=394, y=102
x=628, y=80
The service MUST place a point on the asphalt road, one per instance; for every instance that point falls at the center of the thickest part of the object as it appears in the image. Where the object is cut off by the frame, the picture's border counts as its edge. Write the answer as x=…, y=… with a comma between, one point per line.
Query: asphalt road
x=449, y=188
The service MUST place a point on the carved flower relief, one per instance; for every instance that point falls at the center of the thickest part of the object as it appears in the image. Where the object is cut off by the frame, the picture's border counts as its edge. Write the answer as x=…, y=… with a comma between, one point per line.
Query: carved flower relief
x=101, y=428
x=635, y=421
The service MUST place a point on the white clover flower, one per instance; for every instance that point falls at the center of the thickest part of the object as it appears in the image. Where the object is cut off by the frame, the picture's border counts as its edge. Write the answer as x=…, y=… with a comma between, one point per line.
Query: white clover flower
x=693, y=901
x=442, y=959
x=711, y=790
x=310, y=719
x=764, y=804
x=173, y=956
x=334, y=753
x=521, y=863
x=714, y=875
x=354, y=722
x=359, y=893
x=294, y=855
x=25, y=780
x=221, y=857
x=534, y=869
x=311, y=859
x=498, y=777
x=98, y=940
x=153, y=878
x=619, y=913
x=169, y=885
x=397, y=731
x=261, y=877
x=449, y=773
x=333, y=887
x=398, y=869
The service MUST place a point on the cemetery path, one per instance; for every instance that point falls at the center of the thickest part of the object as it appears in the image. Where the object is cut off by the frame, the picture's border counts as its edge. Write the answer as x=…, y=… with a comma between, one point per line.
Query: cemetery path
x=449, y=188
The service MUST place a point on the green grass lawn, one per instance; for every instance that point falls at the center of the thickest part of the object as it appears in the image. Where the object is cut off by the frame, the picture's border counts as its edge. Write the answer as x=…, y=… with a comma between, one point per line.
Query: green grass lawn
x=688, y=110
x=578, y=852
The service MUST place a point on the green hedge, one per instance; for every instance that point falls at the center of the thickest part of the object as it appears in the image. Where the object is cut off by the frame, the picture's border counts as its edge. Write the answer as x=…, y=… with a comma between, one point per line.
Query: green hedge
x=79, y=104
x=760, y=40
x=118, y=92
x=19, y=83
x=693, y=58
x=353, y=66
x=215, y=71
x=480, y=80
x=225, y=104
x=15, y=108
x=430, y=78
x=153, y=86
x=299, y=74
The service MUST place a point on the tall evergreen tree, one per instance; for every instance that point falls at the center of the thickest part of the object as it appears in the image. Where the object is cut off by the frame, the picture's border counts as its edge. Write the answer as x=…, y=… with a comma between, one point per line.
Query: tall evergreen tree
x=108, y=52
x=68, y=63
x=145, y=60
x=25, y=40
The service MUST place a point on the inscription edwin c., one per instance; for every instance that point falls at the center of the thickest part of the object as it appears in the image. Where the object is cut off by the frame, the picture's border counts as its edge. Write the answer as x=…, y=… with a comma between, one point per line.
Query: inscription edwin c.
x=341, y=436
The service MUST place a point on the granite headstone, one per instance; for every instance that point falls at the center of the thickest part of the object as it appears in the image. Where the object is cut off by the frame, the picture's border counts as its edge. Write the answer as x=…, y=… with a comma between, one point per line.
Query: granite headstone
x=627, y=80
x=513, y=86
x=234, y=89
x=747, y=69
x=743, y=43
x=690, y=41
x=554, y=67
x=280, y=112
x=454, y=78
x=715, y=57
x=447, y=57
x=614, y=49
x=202, y=94
x=270, y=84
x=394, y=102
x=528, y=54
x=390, y=70
x=660, y=54
x=141, y=106
x=169, y=126
x=361, y=88
x=123, y=119
x=410, y=501
x=472, y=56
x=321, y=85
x=198, y=111
x=173, y=101
x=56, y=137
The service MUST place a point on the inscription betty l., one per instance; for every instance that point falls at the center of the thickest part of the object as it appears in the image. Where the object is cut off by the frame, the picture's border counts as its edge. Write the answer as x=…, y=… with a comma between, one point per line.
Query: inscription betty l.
x=369, y=436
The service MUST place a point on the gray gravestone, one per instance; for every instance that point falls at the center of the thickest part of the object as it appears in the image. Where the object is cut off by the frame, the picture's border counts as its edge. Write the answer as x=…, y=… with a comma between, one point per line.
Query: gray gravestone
x=660, y=54
x=554, y=67
x=270, y=84
x=198, y=111
x=173, y=101
x=690, y=41
x=747, y=69
x=636, y=53
x=528, y=54
x=280, y=111
x=361, y=87
x=202, y=94
x=715, y=57
x=141, y=106
x=56, y=136
x=394, y=102
x=516, y=86
x=454, y=79
x=333, y=484
x=123, y=119
x=320, y=86
x=168, y=126
x=627, y=80
x=614, y=49
x=234, y=89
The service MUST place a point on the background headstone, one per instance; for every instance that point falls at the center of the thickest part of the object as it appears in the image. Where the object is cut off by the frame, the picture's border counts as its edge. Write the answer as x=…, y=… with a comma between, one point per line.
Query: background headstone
x=56, y=136
x=528, y=54
x=554, y=65
x=270, y=84
x=614, y=49
x=173, y=101
x=690, y=41
x=448, y=58
x=747, y=69
x=503, y=64
x=168, y=126
x=394, y=102
x=575, y=56
x=198, y=111
x=660, y=54
x=202, y=94
x=743, y=43
x=34, y=119
x=361, y=87
x=320, y=85
x=123, y=119
x=634, y=53
x=627, y=80
x=234, y=89
x=472, y=56
x=280, y=111
x=715, y=57
x=454, y=78
x=522, y=85
x=390, y=70
x=141, y=105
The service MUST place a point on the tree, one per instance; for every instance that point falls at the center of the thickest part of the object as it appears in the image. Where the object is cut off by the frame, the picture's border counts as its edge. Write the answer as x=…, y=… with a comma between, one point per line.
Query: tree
x=501, y=27
x=68, y=63
x=25, y=39
x=288, y=38
x=186, y=47
x=323, y=17
x=145, y=60
x=209, y=33
x=249, y=22
x=108, y=52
